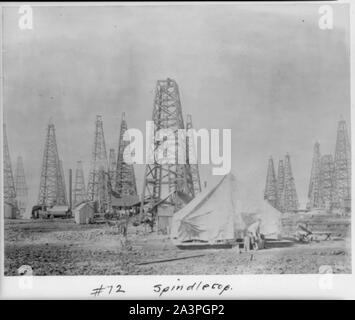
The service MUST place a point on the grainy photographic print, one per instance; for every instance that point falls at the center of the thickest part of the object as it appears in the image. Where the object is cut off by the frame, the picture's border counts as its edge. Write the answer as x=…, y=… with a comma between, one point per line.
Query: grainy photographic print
x=176, y=139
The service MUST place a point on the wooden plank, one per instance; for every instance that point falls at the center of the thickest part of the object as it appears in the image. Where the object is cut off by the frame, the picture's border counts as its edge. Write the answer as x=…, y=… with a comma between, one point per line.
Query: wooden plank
x=171, y=259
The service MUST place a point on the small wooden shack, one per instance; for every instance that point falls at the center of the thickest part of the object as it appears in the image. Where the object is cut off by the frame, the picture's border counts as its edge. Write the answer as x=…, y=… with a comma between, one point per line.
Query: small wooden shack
x=84, y=213
x=10, y=211
x=164, y=219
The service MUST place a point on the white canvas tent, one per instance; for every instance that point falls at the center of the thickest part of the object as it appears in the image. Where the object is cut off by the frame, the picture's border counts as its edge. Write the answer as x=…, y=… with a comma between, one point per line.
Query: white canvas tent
x=211, y=216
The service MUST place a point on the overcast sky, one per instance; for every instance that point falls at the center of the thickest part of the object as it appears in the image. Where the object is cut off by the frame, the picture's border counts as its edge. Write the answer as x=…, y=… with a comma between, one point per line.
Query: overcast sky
x=268, y=72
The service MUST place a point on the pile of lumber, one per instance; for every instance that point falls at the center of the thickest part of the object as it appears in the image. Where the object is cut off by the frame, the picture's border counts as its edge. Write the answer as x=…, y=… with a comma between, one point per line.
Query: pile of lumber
x=335, y=225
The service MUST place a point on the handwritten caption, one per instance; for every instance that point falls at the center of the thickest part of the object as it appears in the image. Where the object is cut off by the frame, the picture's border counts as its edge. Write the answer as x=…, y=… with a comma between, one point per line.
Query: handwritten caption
x=196, y=286
x=108, y=290
x=163, y=289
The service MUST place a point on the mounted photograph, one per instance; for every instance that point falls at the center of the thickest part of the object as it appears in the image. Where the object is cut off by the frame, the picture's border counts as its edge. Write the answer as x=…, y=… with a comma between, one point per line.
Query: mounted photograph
x=176, y=139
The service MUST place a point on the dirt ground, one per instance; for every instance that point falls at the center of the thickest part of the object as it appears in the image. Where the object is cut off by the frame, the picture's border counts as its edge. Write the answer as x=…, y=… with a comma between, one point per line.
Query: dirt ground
x=60, y=247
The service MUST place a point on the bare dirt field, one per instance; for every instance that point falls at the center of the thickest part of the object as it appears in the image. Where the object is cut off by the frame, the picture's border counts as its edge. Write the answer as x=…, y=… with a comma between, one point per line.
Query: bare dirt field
x=60, y=247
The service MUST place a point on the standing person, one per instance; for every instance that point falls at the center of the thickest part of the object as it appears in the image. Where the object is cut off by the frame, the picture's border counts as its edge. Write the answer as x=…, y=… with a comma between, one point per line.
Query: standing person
x=253, y=233
x=150, y=221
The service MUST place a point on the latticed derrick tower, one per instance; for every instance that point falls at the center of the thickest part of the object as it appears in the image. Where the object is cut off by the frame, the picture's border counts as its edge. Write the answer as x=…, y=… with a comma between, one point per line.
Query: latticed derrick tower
x=112, y=166
x=62, y=190
x=280, y=186
x=9, y=184
x=314, y=197
x=270, y=192
x=79, y=187
x=290, y=199
x=167, y=114
x=327, y=181
x=342, y=167
x=125, y=178
x=191, y=151
x=21, y=185
x=96, y=190
x=52, y=186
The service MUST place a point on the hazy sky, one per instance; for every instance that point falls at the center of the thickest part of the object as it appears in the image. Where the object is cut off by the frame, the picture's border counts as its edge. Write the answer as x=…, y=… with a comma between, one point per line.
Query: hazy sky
x=265, y=71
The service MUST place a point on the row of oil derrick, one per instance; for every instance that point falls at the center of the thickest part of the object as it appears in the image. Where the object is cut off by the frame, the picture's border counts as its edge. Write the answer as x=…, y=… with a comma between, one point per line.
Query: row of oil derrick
x=15, y=186
x=330, y=181
x=281, y=192
x=171, y=184
x=105, y=177
x=110, y=176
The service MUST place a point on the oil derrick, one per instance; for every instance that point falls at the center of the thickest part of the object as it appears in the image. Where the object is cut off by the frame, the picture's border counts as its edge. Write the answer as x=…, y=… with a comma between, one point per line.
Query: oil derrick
x=191, y=148
x=290, y=199
x=168, y=181
x=97, y=191
x=125, y=179
x=280, y=186
x=112, y=167
x=79, y=187
x=61, y=183
x=52, y=186
x=9, y=184
x=21, y=186
x=314, y=196
x=270, y=192
x=342, y=167
x=327, y=181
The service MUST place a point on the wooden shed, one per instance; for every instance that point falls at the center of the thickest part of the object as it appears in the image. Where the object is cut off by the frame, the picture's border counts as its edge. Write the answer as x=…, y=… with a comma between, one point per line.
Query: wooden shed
x=84, y=213
x=164, y=219
x=10, y=211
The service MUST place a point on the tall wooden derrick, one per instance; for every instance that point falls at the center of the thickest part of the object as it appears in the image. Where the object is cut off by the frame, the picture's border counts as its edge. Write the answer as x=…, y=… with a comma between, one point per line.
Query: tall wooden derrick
x=97, y=189
x=342, y=168
x=270, y=192
x=61, y=180
x=21, y=186
x=314, y=196
x=52, y=186
x=280, y=186
x=112, y=167
x=125, y=178
x=327, y=181
x=191, y=151
x=79, y=184
x=290, y=199
x=170, y=181
x=9, y=184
